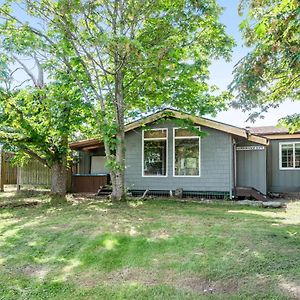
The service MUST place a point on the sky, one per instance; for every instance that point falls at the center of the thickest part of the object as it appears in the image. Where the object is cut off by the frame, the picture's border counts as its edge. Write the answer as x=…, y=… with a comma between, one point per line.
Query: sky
x=221, y=74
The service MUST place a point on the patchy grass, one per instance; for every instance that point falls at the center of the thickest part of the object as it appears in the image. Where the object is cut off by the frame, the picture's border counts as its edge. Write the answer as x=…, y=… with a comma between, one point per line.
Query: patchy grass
x=93, y=249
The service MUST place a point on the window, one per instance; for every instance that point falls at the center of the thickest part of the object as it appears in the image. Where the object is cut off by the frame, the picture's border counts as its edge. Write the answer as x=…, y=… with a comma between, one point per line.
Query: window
x=186, y=152
x=289, y=156
x=155, y=152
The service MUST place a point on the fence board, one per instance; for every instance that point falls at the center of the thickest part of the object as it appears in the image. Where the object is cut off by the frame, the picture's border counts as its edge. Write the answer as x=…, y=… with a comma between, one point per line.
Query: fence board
x=9, y=170
x=34, y=173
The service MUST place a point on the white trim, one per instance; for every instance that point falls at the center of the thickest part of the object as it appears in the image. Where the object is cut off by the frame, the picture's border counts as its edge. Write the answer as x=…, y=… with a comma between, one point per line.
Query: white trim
x=182, y=138
x=155, y=139
x=294, y=157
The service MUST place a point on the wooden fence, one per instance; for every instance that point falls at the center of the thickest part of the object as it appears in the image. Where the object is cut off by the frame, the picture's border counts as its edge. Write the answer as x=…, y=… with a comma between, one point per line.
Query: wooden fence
x=9, y=171
x=34, y=173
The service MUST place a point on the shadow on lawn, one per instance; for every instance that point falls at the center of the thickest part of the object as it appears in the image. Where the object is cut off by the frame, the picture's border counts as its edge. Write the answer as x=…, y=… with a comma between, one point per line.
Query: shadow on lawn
x=55, y=246
x=288, y=216
x=20, y=199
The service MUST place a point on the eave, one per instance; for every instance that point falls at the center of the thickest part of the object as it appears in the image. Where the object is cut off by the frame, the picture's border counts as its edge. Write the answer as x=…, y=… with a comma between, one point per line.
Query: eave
x=199, y=121
x=91, y=144
x=284, y=136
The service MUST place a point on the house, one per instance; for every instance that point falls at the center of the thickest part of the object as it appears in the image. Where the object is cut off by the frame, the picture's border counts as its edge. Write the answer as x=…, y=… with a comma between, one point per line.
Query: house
x=163, y=155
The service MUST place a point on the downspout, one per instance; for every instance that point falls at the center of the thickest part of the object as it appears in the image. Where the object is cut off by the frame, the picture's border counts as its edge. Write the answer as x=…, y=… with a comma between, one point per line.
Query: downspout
x=234, y=164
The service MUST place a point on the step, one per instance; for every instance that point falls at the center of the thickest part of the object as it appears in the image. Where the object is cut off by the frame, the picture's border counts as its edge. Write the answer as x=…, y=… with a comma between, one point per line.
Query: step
x=250, y=192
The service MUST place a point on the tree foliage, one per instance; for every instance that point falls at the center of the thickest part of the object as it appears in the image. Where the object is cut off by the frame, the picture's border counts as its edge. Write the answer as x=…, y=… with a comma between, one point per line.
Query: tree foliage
x=270, y=73
x=130, y=57
x=38, y=115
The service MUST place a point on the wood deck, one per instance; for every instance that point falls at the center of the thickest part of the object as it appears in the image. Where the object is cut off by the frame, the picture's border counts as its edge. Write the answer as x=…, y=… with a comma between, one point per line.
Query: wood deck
x=88, y=183
x=250, y=192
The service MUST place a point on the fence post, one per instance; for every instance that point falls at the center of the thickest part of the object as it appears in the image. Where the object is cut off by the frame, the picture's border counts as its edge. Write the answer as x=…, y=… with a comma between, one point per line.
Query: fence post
x=18, y=179
x=69, y=180
x=2, y=171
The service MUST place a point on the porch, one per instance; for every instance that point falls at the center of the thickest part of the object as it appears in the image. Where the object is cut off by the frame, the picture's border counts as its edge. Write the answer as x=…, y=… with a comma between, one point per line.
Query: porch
x=91, y=172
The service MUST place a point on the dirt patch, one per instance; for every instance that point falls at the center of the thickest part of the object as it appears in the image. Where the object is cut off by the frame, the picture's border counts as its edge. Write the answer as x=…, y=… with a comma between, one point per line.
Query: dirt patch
x=197, y=285
x=229, y=286
x=161, y=234
x=153, y=277
x=171, y=278
x=89, y=279
x=35, y=271
x=139, y=275
x=17, y=205
x=291, y=288
x=124, y=276
x=204, y=286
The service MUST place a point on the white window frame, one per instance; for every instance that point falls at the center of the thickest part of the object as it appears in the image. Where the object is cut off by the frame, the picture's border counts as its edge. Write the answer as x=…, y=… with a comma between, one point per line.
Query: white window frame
x=186, y=137
x=294, y=157
x=155, y=139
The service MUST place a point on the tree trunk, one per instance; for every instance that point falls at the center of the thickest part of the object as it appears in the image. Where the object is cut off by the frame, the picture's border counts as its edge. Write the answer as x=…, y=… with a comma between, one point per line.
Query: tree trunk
x=58, y=179
x=117, y=176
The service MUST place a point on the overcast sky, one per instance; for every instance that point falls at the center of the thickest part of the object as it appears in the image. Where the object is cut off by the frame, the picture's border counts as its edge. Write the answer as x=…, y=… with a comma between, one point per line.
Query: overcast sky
x=221, y=74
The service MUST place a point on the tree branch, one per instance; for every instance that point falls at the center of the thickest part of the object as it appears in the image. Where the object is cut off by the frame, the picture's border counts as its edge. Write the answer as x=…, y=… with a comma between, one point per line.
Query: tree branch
x=34, y=155
x=25, y=68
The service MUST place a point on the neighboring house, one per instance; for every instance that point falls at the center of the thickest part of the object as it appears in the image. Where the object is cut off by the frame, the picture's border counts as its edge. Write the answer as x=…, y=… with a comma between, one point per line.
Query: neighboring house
x=161, y=157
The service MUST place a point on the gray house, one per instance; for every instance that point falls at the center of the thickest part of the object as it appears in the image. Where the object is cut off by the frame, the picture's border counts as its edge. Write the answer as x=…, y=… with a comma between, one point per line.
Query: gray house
x=227, y=161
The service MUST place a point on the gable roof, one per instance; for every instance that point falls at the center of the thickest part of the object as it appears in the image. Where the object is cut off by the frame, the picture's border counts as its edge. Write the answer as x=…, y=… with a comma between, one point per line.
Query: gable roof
x=199, y=121
x=92, y=143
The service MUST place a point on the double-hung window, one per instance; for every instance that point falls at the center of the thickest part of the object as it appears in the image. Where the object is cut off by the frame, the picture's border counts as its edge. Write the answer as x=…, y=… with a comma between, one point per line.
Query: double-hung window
x=289, y=156
x=186, y=153
x=155, y=144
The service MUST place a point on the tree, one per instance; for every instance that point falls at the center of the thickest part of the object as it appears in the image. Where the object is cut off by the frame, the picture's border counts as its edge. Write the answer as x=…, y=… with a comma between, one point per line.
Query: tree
x=129, y=57
x=38, y=120
x=270, y=73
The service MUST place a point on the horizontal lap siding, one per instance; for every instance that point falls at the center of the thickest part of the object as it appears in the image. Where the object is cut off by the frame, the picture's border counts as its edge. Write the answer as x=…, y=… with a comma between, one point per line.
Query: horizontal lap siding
x=215, y=163
x=281, y=180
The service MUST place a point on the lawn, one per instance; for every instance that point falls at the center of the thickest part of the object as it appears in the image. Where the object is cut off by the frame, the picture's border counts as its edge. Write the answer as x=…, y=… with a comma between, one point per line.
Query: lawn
x=153, y=249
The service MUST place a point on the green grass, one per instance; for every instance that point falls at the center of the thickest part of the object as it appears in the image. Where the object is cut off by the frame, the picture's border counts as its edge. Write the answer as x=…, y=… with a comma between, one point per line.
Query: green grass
x=155, y=249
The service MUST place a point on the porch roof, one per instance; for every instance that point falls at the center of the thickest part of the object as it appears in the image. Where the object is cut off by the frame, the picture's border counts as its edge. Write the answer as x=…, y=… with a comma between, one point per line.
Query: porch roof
x=274, y=132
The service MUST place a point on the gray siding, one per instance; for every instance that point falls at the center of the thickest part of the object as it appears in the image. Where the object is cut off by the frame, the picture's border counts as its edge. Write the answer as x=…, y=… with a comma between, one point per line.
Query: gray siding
x=216, y=163
x=281, y=180
x=251, y=167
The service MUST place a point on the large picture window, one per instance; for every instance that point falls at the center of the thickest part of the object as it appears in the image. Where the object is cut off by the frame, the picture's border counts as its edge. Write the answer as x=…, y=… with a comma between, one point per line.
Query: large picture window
x=186, y=153
x=289, y=156
x=155, y=152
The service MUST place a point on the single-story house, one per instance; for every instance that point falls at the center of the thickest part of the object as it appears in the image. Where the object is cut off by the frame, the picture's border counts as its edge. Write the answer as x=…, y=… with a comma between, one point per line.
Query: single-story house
x=162, y=156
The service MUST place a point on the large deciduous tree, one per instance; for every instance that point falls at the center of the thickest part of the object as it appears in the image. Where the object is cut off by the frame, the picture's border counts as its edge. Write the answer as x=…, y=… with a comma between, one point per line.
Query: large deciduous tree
x=37, y=120
x=270, y=73
x=132, y=56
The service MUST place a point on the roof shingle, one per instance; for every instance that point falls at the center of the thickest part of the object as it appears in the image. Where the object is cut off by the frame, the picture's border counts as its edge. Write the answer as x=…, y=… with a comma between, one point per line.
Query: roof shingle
x=266, y=130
